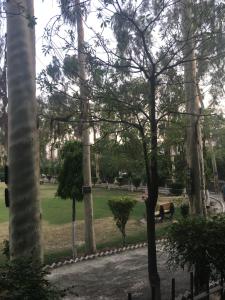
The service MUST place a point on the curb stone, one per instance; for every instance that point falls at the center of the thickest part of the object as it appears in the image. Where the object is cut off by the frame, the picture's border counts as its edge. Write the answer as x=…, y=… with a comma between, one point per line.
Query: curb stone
x=159, y=245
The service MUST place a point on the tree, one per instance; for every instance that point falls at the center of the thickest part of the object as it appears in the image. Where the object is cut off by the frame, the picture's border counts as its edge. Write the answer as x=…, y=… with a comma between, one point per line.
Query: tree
x=71, y=179
x=121, y=210
x=195, y=164
x=25, y=216
x=72, y=12
x=140, y=61
x=129, y=85
x=70, y=176
x=136, y=181
x=207, y=255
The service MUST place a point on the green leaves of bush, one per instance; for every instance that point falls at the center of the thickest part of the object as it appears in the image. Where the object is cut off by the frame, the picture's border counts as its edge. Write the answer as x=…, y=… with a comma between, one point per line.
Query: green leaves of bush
x=198, y=241
x=121, y=210
x=70, y=176
x=24, y=279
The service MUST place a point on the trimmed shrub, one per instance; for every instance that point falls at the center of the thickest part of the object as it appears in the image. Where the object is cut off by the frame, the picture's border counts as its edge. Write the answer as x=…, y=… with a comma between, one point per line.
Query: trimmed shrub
x=70, y=176
x=136, y=181
x=121, y=210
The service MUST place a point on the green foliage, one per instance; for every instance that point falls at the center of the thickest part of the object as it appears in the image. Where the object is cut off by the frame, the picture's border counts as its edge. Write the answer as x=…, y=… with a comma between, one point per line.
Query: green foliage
x=71, y=66
x=32, y=20
x=53, y=69
x=136, y=181
x=176, y=188
x=24, y=279
x=178, y=201
x=108, y=168
x=70, y=176
x=121, y=210
x=50, y=168
x=124, y=155
x=184, y=210
x=198, y=242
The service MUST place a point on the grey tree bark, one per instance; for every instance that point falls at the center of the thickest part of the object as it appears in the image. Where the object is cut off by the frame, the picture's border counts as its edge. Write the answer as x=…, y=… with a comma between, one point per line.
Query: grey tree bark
x=214, y=166
x=193, y=107
x=97, y=157
x=25, y=217
x=88, y=199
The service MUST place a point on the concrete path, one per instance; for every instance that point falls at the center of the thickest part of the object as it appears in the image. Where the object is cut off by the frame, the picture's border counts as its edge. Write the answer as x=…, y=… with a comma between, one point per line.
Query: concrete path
x=217, y=204
x=112, y=277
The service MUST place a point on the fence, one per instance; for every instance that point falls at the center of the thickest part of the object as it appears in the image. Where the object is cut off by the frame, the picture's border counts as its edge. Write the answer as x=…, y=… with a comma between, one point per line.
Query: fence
x=218, y=289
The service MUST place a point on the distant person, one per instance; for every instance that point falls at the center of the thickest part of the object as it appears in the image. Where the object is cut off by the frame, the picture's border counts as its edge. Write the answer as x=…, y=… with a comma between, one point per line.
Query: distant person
x=223, y=192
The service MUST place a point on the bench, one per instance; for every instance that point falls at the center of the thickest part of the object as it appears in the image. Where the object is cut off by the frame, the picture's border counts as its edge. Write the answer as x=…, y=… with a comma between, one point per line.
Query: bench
x=165, y=209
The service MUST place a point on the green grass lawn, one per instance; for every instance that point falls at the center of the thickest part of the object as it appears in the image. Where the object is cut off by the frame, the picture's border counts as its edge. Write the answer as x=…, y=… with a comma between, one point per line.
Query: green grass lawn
x=58, y=211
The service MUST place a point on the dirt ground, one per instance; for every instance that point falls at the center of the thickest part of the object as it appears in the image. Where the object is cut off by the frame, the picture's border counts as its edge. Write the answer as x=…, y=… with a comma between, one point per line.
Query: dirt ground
x=58, y=237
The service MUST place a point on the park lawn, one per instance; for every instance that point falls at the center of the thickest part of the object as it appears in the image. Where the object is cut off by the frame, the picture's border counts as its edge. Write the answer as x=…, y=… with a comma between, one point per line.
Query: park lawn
x=57, y=221
x=58, y=211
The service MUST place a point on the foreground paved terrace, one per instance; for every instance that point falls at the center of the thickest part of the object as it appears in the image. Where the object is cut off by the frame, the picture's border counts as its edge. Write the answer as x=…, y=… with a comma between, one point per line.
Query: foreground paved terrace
x=112, y=277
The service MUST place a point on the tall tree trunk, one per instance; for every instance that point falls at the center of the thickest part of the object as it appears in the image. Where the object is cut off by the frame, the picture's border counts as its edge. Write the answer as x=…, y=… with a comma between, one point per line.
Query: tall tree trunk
x=194, y=156
x=4, y=118
x=214, y=166
x=173, y=152
x=25, y=217
x=152, y=186
x=88, y=201
x=97, y=169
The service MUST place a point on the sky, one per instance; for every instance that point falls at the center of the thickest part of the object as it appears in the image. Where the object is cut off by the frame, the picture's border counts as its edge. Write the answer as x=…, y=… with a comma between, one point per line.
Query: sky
x=44, y=10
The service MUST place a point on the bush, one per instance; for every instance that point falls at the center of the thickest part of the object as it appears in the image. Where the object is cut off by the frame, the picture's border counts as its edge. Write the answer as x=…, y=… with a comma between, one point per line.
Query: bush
x=198, y=242
x=136, y=181
x=178, y=201
x=121, y=210
x=184, y=210
x=176, y=188
x=24, y=279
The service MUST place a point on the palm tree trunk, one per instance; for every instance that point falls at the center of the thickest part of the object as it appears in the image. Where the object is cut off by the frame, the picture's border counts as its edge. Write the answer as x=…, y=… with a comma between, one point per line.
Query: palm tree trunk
x=88, y=201
x=25, y=217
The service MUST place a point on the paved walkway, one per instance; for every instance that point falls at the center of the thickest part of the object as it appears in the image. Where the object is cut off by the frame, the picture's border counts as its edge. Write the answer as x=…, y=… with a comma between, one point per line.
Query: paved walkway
x=217, y=204
x=112, y=277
